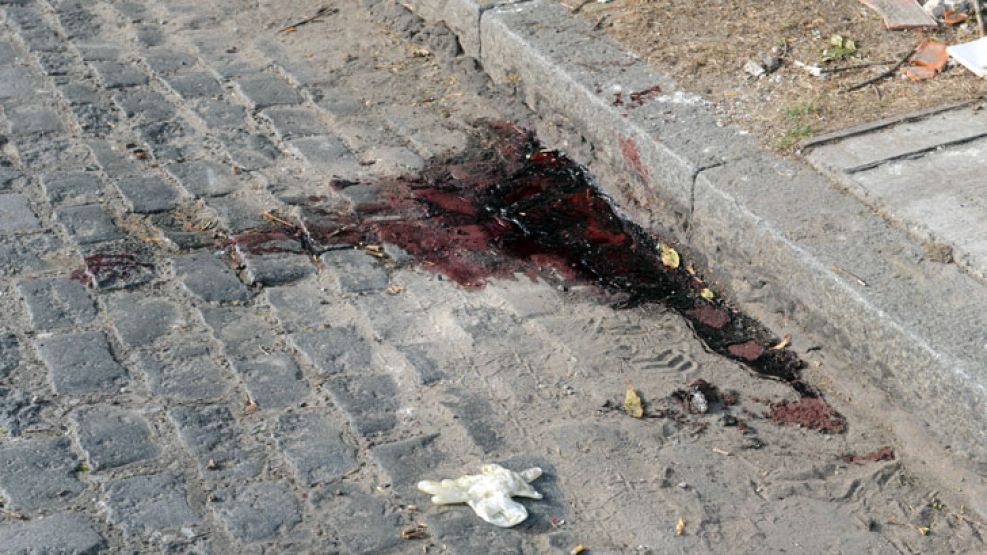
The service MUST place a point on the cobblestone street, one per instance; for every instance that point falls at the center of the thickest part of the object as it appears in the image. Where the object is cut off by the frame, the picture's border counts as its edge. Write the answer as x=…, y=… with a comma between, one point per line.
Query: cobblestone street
x=167, y=387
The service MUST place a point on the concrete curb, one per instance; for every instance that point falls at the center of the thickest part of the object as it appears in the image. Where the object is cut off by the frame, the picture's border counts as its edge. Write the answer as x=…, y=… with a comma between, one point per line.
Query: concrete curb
x=916, y=328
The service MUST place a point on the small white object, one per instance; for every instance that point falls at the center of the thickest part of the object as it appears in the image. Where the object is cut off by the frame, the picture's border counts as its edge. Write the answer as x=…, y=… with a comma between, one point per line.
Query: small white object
x=488, y=493
x=972, y=55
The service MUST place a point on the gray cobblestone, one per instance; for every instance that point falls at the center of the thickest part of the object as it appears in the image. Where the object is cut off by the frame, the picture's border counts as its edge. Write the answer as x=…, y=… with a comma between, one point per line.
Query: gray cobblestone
x=148, y=105
x=72, y=188
x=204, y=178
x=50, y=154
x=112, y=437
x=366, y=523
x=18, y=412
x=162, y=60
x=54, y=303
x=249, y=151
x=168, y=140
x=58, y=533
x=213, y=438
x=182, y=372
x=16, y=214
x=239, y=213
x=149, y=503
x=273, y=381
x=112, y=161
x=16, y=82
x=219, y=114
x=175, y=230
x=10, y=179
x=98, y=52
x=474, y=415
x=355, y=271
x=146, y=195
x=294, y=122
x=423, y=362
x=8, y=56
x=324, y=152
x=25, y=253
x=121, y=265
x=32, y=121
x=208, y=278
x=370, y=401
x=303, y=305
x=315, y=448
x=95, y=119
x=406, y=461
x=88, y=223
x=115, y=75
x=55, y=64
x=334, y=350
x=77, y=22
x=81, y=363
x=243, y=333
x=258, y=511
x=138, y=319
x=38, y=474
x=193, y=85
x=277, y=268
x=10, y=353
x=263, y=91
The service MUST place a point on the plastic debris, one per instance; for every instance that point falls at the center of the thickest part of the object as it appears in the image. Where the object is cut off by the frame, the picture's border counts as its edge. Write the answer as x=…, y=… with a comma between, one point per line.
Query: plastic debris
x=928, y=60
x=901, y=14
x=939, y=8
x=971, y=55
x=488, y=493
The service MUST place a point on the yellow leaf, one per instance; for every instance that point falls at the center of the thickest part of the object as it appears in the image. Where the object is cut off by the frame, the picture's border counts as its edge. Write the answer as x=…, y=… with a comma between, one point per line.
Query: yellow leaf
x=632, y=403
x=706, y=294
x=783, y=343
x=577, y=550
x=669, y=257
x=924, y=530
x=680, y=527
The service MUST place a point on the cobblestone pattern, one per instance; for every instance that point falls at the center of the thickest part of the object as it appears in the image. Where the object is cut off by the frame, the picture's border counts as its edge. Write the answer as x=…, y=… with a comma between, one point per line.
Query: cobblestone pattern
x=159, y=392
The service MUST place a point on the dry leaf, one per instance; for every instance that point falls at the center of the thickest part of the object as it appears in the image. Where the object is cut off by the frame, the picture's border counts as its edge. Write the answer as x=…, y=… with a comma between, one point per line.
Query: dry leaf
x=924, y=530
x=632, y=403
x=680, y=527
x=577, y=550
x=250, y=407
x=783, y=343
x=414, y=532
x=706, y=294
x=669, y=256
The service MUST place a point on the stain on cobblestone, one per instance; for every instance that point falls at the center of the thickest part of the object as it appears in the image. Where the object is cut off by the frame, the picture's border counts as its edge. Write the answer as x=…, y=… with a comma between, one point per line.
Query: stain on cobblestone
x=508, y=206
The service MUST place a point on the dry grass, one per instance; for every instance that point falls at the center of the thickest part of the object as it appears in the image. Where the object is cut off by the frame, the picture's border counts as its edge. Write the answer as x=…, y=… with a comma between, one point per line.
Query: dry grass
x=704, y=46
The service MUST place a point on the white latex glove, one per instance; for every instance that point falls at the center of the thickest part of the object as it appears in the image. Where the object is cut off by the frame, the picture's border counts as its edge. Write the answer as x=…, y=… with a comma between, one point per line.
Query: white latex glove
x=488, y=493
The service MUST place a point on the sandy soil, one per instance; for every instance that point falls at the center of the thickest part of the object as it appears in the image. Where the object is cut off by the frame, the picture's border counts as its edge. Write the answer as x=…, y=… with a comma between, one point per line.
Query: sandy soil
x=705, y=45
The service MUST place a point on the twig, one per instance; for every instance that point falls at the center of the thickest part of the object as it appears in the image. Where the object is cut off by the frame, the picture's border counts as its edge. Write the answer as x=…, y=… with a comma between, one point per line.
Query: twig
x=890, y=71
x=578, y=8
x=323, y=11
x=980, y=16
x=855, y=66
x=850, y=274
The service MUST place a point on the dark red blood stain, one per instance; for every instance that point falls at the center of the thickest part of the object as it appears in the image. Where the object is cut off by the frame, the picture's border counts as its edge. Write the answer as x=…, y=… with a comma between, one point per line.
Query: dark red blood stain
x=509, y=207
x=638, y=98
x=628, y=148
x=106, y=268
x=749, y=350
x=709, y=315
x=885, y=453
x=808, y=412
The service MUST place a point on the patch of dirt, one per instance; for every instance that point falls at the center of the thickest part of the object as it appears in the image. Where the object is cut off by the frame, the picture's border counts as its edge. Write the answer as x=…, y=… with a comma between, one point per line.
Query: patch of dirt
x=704, y=47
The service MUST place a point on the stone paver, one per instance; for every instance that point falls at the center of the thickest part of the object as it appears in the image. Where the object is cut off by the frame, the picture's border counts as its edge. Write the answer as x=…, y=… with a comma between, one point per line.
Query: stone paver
x=168, y=385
